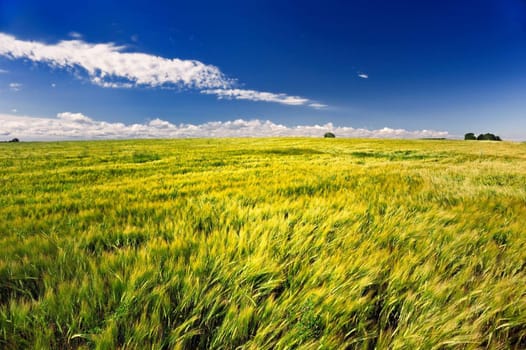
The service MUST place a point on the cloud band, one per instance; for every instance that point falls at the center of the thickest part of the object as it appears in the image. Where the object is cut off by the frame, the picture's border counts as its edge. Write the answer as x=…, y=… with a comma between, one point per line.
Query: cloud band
x=76, y=126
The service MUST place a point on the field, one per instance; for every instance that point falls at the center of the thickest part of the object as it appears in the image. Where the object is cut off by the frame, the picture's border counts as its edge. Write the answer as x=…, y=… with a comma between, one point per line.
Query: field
x=263, y=244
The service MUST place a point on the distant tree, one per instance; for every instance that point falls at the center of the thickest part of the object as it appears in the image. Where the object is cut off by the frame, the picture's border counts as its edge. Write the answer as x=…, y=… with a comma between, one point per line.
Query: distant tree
x=484, y=137
x=329, y=135
x=14, y=140
x=488, y=137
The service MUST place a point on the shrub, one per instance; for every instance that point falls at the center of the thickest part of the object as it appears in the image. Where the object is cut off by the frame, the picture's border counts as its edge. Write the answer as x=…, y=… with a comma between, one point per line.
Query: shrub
x=329, y=135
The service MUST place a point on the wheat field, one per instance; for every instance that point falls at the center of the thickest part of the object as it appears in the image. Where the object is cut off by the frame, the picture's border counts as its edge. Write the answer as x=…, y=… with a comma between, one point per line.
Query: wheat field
x=284, y=243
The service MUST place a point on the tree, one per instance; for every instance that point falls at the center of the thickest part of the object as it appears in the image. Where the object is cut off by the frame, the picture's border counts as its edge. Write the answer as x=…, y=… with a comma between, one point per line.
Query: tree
x=489, y=137
x=329, y=135
x=484, y=137
x=14, y=140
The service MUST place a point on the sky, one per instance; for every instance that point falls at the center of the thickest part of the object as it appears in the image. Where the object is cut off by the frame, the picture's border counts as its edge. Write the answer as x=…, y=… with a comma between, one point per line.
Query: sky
x=358, y=68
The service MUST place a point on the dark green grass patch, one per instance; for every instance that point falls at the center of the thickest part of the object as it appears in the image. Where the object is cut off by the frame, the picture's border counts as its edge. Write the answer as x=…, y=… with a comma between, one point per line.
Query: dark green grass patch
x=393, y=156
x=144, y=157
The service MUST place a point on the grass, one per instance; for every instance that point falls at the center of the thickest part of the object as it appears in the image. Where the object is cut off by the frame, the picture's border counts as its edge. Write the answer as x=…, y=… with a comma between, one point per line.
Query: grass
x=263, y=244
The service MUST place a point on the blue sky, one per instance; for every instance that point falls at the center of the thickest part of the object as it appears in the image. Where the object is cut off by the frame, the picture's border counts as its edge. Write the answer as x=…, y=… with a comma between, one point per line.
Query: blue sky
x=363, y=68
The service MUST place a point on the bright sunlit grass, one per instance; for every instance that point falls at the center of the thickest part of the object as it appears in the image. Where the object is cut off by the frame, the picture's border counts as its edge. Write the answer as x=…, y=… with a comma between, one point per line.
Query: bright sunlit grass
x=263, y=244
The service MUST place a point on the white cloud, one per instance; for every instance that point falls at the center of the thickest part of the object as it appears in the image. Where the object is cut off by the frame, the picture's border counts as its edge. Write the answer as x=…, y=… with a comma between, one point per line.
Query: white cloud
x=252, y=95
x=110, y=66
x=317, y=105
x=74, y=117
x=14, y=110
x=15, y=86
x=363, y=75
x=75, y=35
x=71, y=126
x=53, y=85
x=3, y=71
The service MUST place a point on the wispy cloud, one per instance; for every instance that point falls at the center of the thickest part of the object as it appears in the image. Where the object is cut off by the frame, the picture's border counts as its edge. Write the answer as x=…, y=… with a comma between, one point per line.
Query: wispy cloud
x=15, y=86
x=71, y=126
x=317, y=105
x=108, y=64
x=363, y=75
x=3, y=71
x=111, y=66
x=252, y=95
x=75, y=35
